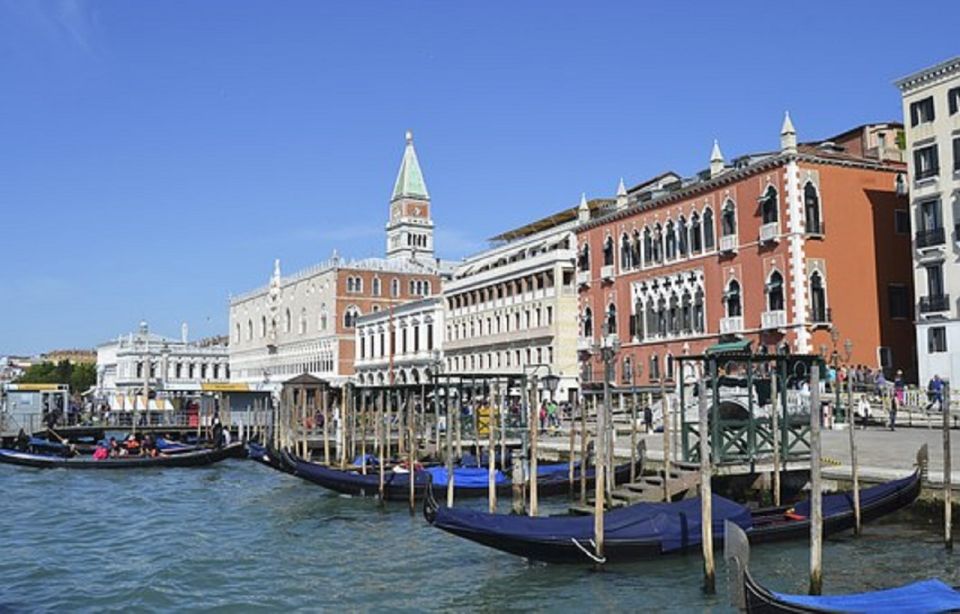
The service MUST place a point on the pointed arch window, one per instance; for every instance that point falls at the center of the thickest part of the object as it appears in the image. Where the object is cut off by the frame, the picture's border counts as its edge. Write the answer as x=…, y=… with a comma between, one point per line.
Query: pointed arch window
x=674, y=314
x=818, y=298
x=626, y=255
x=322, y=324
x=670, y=241
x=584, y=263
x=249, y=330
x=654, y=367
x=728, y=223
x=683, y=243
x=709, y=238
x=638, y=319
x=732, y=299
x=698, y=315
x=587, y=332
x=686, y=313
x=669, y=366
x=769, y=206
x=350, y=316
x=647, y=246
x=658, y=244
x=651, y=316
x=636, y=249
x=608, y=252
x=376, y=286
x=612, y=319
x=263, y=326
x=775, y=292
x=696, y=236
x=811, y=209
x=662, y=316
x=287, y=321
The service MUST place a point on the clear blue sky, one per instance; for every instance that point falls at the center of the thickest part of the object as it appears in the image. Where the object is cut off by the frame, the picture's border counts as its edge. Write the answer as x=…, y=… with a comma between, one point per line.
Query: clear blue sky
x=157, y=156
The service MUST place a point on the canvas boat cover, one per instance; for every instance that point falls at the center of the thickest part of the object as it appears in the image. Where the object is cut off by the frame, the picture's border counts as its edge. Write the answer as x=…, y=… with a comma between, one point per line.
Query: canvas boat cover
x=842, y=503
x=673, y=525
x=924, y=596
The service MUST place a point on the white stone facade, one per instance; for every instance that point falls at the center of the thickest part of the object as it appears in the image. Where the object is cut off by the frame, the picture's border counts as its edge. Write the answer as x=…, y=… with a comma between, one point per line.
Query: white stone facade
x=931, y=108
x=515, y=306
x=400, y=346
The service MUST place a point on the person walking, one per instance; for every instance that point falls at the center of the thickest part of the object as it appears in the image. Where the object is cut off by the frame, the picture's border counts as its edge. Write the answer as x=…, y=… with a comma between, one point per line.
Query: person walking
x=647, y=419
x=935, y=393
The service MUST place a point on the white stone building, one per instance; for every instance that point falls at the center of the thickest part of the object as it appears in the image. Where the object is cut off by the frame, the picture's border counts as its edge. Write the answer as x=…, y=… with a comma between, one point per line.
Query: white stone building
x=515, y=305
x=400, y=345
x=931, y=110
x=169, y=365
x=305, y=322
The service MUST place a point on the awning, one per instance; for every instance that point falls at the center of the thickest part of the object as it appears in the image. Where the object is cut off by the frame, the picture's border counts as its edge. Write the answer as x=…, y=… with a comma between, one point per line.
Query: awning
x=741, y=346
x=224, y=387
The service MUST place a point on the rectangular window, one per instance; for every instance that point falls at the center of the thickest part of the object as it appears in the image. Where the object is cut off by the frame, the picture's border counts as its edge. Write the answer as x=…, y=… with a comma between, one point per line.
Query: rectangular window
x=930, y=215
x=921, y=111
x=899, y=301
x=901, y=221
x=935, y=280
x=936, y=339
x=429, y=336
x=925, y=162
x=956, y=154
x=885, y=355
x=953, y=100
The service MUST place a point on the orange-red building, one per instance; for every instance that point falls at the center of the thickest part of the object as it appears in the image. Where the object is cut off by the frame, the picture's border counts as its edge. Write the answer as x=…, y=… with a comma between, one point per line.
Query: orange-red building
x=807, y=246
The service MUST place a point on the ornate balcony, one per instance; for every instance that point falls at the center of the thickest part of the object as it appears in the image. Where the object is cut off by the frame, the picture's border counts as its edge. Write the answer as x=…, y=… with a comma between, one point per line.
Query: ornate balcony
x=934, y=303
x=732, y=324
x=728, y=243
x=584, y=344
x=769, y=232
x=606, y=272
x=774, y=319
x=583, y=278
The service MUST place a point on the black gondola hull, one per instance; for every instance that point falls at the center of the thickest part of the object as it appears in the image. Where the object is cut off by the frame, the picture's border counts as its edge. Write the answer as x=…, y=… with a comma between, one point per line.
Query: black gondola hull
x=185, y=459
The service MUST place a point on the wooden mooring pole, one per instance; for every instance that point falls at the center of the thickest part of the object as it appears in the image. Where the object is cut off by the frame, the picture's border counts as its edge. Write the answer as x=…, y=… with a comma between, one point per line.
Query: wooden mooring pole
x=449, y=459
x=633, y=431
x=583, y=451
x=706, y=497
x=411, y=432
x=816, y=496
x=534, y=433
x=381, y=443
x=947, y=503
x=854, y=469
x=665, y=412
x=775, y=435
x=491, y=454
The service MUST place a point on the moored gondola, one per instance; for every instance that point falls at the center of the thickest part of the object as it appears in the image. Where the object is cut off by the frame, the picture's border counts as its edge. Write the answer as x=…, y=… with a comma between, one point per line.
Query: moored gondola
x=648, y=530
x=195, y=458
x=747, y=595
x=266, y=455
x=467, y=481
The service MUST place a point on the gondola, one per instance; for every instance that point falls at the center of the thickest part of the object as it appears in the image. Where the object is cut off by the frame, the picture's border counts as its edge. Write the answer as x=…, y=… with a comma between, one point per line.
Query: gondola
x=266, y=455
x=467, y=482
x=649, y=530
x=196, y=458
x=747, y=595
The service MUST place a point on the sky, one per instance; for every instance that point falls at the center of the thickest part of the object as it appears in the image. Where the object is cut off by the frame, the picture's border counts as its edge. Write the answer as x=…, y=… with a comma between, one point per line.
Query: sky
x=156, y=157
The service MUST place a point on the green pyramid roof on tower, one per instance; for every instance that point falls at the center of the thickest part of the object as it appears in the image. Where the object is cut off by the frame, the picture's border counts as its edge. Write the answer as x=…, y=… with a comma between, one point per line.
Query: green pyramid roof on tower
x=410, y=182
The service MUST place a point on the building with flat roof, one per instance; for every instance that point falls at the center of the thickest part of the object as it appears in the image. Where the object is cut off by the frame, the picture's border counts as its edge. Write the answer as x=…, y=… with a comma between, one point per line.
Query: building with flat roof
x=802, y=248
x=931, y=113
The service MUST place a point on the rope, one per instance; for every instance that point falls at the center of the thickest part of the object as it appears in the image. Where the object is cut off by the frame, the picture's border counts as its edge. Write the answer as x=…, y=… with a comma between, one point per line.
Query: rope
x=590, y=555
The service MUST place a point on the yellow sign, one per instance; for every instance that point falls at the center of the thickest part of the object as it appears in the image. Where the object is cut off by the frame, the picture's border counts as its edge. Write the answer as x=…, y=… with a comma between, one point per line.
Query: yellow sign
x=36, y=387
x=231, y=387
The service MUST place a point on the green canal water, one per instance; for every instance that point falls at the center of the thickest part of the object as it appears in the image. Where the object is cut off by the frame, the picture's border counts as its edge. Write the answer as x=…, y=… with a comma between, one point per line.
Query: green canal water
x=240, y=537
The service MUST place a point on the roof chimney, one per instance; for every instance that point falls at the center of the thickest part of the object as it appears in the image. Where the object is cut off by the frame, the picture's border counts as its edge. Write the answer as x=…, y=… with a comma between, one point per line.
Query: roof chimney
x=716, y=160
x=788, y=136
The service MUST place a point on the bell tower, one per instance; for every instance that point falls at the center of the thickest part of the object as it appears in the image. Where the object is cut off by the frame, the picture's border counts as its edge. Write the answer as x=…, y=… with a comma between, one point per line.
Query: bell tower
x=410, y=229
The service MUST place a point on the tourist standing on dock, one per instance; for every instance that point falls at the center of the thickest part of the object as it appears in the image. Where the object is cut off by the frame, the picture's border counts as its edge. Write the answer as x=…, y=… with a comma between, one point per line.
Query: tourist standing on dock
x=647, y=419
x=935, y=393
x=899, y=387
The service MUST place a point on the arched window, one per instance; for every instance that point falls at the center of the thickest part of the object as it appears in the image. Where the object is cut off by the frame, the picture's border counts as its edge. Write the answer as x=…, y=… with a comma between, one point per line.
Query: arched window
x=775, y=292
x=637, y=249
x=811, y=209
x=670, y=240
x=350, y=316
x=662, y=316
x=647, y=246
x=654, y=367
x=263, y=326
x=249, y=330
x=669, y=366
x=651, y=318
x=426, y=288
x=696, y=238
x=612, y=319
x=674, y=314
x=686, y=313
x=698, y=316
x=627, y=370
x=818, y=298
x=608, y=252
x=683, y=244
x=303, y=321
x=658, y=244
x=708, y=233
x=287, y=322
x=236, y=332
x=395, y=287
x=587, y=323
x=728, y=223
x=376, y=289
x=584, y=263
x=732, y=299
x=769, y=207
x=322, y=324
x=626, y=256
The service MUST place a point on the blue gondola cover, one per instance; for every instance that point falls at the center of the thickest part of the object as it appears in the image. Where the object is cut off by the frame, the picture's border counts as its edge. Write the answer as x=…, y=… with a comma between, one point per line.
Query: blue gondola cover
x=919, y=597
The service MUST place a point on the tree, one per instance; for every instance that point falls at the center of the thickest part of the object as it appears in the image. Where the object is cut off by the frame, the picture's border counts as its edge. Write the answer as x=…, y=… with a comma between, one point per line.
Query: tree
x=80, y=377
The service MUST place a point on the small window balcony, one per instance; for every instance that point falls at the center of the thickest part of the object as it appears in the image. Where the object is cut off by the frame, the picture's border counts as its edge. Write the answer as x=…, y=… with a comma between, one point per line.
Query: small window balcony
x=815, y=229
x=821, y=317
x=584, y=344
x=733, y=324
x=583, y=278
x=770, y=232
x=935, y=303
x=606, y=272
x=774, y=319
x=927, y=173
x=728, y=244
x=930, y=237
